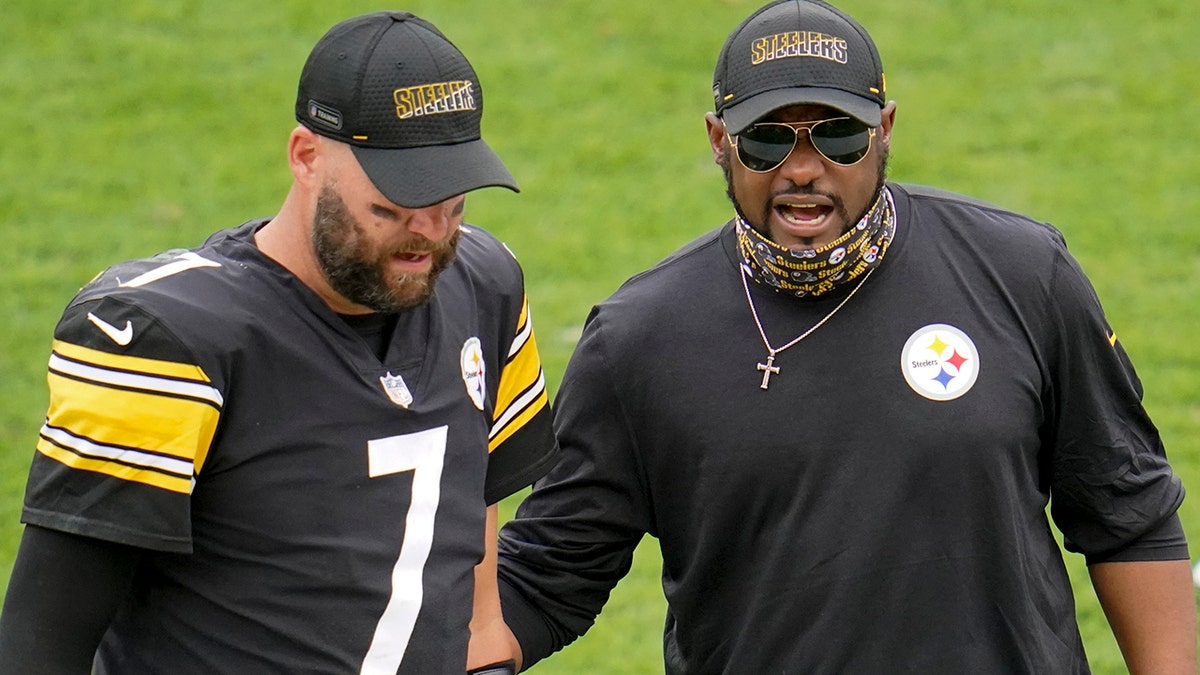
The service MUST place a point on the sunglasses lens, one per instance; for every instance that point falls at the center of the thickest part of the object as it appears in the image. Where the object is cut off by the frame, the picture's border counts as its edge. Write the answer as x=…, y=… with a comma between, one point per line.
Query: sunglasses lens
x=842, y=141
x=763, y=147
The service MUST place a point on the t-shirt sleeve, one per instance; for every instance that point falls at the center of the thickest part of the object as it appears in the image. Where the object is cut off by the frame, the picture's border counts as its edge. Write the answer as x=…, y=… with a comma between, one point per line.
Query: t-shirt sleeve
x=574, y=536
x=1111, y=483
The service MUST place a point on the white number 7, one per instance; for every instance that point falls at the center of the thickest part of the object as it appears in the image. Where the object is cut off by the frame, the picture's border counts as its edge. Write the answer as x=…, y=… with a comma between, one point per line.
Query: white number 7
x=422, y=453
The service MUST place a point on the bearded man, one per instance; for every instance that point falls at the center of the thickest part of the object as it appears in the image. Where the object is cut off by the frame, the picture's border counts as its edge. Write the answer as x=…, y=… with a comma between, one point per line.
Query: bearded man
x=275, y=453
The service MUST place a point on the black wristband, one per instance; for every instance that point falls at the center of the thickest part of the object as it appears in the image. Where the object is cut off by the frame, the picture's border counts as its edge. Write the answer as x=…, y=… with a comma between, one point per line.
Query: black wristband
x=508, y=667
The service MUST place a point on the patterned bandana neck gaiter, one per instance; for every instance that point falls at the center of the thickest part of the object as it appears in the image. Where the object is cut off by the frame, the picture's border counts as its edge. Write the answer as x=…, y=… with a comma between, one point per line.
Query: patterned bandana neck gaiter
x=813, y=272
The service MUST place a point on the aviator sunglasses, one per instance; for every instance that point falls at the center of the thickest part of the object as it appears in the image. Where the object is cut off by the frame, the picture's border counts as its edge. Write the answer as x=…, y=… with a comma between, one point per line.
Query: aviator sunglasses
x=764, y=146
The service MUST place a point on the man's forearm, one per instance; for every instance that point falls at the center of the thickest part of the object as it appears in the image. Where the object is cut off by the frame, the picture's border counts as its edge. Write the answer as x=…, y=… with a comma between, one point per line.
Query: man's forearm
x=1151, y=608
x=491, y=641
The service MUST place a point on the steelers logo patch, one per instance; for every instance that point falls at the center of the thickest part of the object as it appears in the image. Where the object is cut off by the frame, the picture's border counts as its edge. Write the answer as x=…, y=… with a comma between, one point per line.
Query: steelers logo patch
x=940, y=362
x=473, y=371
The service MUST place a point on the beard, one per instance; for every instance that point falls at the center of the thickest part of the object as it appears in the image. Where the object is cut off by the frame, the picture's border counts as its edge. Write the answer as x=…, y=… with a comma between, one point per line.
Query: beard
x=839, y=206
x=357, y=270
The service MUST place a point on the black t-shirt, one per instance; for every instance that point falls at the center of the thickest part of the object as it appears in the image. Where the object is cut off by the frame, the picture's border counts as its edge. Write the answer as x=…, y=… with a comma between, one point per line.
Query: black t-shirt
x=881, y=507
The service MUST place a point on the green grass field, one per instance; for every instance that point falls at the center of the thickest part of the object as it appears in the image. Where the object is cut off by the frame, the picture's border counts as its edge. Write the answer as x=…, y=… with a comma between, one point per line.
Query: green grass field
x=136, y=126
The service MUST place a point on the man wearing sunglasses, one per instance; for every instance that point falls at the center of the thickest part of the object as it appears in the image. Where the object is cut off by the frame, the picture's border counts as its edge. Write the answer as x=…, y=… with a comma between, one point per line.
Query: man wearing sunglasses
x=844, y=413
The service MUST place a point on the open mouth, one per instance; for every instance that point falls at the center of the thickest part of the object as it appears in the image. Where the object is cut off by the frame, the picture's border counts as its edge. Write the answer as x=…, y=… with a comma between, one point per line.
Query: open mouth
x=410, y=262
x=803, y=215
x=413, y=256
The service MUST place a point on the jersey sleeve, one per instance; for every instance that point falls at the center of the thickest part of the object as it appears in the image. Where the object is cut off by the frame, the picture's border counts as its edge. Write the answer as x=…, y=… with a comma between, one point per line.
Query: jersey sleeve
x=1112, y=488
x=131, y=418
x=521, y=444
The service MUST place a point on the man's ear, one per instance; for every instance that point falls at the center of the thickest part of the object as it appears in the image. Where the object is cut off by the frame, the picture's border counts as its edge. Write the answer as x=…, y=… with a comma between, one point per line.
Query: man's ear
x=716, y=137
x=304, y=151
x=887, y=120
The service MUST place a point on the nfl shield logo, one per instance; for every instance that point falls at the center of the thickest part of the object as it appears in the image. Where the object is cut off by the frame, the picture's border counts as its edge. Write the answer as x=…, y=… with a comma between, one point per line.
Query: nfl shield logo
x=396, y=390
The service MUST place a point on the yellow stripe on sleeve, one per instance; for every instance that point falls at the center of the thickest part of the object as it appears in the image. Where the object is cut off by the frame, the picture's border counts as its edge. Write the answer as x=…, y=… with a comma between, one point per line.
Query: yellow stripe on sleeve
x=524, y=365
x=522, y=389
x=178, y=427
x=541, y=400
x=136, y=364
x=133, y=418
x=165, y=481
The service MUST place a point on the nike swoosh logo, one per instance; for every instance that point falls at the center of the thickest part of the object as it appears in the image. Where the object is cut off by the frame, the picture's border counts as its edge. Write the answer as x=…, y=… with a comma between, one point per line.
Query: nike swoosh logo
x=120, y=336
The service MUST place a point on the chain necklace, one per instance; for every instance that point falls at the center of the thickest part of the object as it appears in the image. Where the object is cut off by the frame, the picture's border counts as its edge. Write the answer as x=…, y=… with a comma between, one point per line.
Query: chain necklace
x=769, y=368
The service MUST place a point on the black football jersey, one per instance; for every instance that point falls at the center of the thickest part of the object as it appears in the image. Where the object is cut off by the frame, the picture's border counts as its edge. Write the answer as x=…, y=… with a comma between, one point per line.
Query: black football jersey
x=309, y=506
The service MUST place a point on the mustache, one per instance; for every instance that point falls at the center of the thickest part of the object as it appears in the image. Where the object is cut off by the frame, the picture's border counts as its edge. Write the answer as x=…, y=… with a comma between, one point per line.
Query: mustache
x=809, y=190
x=421, y=245
x=836, y=203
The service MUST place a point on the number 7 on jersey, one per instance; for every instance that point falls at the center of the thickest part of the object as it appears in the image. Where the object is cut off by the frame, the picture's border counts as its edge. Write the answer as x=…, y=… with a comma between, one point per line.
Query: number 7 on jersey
x=423, y=454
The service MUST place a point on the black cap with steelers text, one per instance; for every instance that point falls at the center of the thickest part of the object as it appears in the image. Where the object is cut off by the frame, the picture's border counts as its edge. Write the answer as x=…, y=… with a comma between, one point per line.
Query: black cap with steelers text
x=409, y=104
x=796, y=52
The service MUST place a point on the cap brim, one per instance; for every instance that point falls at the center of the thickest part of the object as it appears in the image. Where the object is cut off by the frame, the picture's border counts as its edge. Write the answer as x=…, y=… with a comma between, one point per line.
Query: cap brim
x=420, y=177
x=741, y=115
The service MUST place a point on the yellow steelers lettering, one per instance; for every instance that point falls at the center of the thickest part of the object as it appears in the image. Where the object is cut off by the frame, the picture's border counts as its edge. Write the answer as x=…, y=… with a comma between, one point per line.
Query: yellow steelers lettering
x=404, y=103
x=434, y=99
x=798, y=43
x=838, y=51
x=758, y=52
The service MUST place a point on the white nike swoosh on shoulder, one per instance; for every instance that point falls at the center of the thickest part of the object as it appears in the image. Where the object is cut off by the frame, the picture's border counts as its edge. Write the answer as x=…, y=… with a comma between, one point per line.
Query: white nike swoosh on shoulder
x=121, y=336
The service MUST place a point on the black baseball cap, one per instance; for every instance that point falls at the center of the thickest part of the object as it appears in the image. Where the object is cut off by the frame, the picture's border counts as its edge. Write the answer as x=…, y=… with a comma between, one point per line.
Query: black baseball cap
x=407, y=102
x=795, y=52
